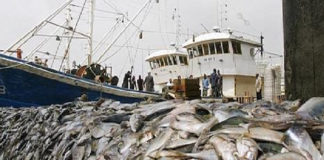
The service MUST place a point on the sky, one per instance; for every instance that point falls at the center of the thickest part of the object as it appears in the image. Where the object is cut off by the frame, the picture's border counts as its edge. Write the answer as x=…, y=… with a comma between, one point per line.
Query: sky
x=156, y=23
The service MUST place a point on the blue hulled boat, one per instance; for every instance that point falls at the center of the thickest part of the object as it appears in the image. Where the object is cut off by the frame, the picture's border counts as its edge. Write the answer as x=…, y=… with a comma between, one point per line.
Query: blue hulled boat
x=24, y=83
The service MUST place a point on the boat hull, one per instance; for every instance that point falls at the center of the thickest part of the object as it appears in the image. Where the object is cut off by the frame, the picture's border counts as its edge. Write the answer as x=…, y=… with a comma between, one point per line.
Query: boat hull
x=24, y=84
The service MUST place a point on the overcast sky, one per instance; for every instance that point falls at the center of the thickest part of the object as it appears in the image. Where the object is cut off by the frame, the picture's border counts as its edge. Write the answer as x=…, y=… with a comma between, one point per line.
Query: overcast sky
x=249, y=16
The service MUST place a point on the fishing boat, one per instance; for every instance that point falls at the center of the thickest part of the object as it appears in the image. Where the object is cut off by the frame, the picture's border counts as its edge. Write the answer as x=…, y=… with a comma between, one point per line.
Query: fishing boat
x=24, y=83
x=232, y=54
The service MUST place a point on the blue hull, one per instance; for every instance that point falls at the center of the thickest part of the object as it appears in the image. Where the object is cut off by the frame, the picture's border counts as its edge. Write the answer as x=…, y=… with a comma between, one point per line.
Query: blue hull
x=21, y=87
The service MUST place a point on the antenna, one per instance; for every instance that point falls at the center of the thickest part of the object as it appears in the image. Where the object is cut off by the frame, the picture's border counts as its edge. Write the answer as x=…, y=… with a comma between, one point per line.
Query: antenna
x=176, y=16
x=204, y=27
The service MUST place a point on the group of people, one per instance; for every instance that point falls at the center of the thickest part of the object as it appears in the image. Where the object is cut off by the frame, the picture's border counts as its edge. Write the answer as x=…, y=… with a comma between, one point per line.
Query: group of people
x=215, y=80
x=131, y=83
x=40, y=62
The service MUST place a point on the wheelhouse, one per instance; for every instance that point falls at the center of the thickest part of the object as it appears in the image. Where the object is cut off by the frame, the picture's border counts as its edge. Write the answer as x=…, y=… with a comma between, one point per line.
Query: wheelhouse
x=163, y=59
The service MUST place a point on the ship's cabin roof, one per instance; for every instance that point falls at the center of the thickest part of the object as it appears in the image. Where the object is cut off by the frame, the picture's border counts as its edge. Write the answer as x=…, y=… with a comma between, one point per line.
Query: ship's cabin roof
x=218, y=36
x=218, y=43
x=167, y=58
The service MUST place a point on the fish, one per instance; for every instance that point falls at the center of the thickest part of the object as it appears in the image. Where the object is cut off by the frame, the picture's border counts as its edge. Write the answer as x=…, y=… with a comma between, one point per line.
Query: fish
x=160, y=141
x=286, y=156
x=224, y=147
x=223, y=115
x=298, y=138
x=312, y=109
x=196, y=128
x=180, y=143
x=247, y=148
x=136, y=122
x=103, y=129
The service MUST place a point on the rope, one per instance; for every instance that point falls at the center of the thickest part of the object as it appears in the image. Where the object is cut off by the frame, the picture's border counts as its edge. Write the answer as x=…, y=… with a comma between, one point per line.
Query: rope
x=70, y=40
x=127, y=39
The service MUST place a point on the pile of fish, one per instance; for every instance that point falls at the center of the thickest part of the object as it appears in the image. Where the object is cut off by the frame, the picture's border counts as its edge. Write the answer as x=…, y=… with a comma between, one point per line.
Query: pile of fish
x=197, y=129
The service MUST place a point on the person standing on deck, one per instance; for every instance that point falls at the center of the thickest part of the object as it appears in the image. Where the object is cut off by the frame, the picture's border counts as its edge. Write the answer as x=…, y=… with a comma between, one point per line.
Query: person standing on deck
x=132, y=83
x=205, y=84
x=140, y=83
x=149, y=83
x=213, y=82
x=45, y=63
x=219, y=84
x=126, y=79
x=258, y=86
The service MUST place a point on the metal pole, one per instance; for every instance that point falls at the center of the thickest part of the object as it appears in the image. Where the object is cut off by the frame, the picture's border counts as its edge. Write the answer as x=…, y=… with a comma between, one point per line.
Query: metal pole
x=92, y=7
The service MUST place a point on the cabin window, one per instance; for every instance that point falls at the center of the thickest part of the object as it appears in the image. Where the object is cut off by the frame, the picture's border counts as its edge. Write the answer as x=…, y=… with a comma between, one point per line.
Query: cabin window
x=155, y=64
x=206, y=49
x=236, y=47
x=162, y=62
x=166, y=61
x=190, y=53
x=151, y=65
x=169, y=60
x=219, y=47
x=212, y=48
x=200, y=50
x=195, y=52
x=183, y=60
x=175, y=62
x=225, y=47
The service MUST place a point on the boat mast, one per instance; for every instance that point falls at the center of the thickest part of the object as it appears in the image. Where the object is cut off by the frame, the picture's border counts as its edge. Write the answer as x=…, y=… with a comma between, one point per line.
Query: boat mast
x=92, y=7
x=68, y=33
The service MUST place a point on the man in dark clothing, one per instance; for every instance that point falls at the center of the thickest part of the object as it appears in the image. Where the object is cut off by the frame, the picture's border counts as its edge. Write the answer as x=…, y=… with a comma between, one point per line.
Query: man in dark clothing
x=140, y=83
x=213, y=82
x=219, y=84
x=126, y=79
x=149, y=83
x=132, y=83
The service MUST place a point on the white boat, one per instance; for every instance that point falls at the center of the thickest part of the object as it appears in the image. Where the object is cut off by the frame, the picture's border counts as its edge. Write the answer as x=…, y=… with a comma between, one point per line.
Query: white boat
x=232, y=54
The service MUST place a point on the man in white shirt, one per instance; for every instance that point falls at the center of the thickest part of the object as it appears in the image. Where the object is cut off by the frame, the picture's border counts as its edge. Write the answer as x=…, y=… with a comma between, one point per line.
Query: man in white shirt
x=258, y=86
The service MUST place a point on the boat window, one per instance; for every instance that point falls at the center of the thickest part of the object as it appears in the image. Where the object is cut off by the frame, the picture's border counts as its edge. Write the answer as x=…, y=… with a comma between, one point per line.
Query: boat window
x=169, y=60
x=175, y=62
x=155, y=64
x=158, y=64
x=206, y=49
x=200, y=50
x=195, y=52
x=185, y=60
x=190, y=52
x=225, y=47
x=219, y=47
x=162, y=62
x=166, y=61
x=236, y=47
x=151, y=65
x=212, y=48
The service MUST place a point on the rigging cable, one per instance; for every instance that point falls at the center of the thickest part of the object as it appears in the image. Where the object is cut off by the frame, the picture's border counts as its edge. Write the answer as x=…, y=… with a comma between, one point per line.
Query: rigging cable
x=30, y=34
x=120, y=34
x=124, y=43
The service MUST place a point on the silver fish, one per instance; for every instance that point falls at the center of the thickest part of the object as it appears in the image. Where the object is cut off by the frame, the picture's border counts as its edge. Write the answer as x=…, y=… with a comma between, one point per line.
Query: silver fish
x=224, y=147
x=247, y=148
x=297, y=137
x=286, y=156
x=136, y=122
